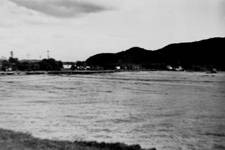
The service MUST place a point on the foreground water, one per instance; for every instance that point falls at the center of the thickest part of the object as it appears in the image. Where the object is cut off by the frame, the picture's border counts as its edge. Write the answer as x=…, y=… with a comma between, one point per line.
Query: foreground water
x=166, y=110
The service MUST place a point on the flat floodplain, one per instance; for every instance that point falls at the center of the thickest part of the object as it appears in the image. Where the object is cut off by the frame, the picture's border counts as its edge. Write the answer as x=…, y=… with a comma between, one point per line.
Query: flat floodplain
x=166, y=110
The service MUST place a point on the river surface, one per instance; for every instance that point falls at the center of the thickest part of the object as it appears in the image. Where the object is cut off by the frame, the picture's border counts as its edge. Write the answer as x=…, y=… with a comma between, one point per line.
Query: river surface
x=166, y=110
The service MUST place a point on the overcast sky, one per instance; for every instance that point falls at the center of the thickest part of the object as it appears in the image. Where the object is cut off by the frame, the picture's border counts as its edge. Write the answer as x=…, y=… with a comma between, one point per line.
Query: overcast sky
x=76, y=29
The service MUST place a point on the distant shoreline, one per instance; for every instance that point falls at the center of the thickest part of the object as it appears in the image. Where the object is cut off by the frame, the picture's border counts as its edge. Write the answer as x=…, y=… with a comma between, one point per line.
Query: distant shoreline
x=19, y=141
x=71, y=72
x=67, y=72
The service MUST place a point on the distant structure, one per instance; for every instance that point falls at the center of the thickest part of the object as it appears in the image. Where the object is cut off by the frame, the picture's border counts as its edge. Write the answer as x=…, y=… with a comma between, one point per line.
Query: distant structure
x=11, y=54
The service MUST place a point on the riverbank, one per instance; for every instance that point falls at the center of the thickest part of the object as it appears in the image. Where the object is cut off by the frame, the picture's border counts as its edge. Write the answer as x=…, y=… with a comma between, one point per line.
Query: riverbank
x=11, y=140
x=71, y=72
x=56, y=72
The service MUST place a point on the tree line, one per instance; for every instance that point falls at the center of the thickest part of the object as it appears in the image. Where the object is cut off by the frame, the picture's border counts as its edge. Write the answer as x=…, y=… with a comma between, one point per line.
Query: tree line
x=14, y=64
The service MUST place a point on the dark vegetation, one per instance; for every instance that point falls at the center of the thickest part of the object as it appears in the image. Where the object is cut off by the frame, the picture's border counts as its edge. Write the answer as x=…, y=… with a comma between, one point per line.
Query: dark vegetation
x=198, y=56
x=10, y=140
x=13, y=64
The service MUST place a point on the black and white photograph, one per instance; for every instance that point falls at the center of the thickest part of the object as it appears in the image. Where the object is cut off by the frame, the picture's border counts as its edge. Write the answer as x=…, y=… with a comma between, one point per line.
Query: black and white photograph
x=112, y=75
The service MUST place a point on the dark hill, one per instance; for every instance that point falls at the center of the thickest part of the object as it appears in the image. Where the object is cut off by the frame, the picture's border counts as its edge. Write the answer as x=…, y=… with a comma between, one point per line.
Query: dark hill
x=134, y=55
x=200, y=55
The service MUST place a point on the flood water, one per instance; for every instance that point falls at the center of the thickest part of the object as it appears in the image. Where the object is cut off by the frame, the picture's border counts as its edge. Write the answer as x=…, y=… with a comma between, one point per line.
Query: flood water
x=166, y=110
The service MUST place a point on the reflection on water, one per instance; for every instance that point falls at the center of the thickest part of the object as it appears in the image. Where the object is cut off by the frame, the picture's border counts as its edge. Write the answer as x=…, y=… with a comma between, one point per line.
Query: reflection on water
x=166, y=110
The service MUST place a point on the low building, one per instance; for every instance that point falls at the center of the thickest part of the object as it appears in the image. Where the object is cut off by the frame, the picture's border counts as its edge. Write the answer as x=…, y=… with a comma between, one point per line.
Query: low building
x=169, y=67
x=118, y=67
x=67, y=66
x=179, y=68
x=87, y=67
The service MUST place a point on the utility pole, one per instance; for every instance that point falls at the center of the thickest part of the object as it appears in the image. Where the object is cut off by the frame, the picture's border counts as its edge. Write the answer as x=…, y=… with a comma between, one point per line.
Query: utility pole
x=11, y=54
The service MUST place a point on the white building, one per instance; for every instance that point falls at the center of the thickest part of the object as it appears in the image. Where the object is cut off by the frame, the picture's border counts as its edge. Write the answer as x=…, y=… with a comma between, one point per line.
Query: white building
x=67, y=66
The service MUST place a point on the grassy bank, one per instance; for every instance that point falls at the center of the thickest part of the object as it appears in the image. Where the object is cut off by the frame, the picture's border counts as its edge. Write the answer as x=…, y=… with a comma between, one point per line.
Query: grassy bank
x=67, y=72
x=11, y=140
